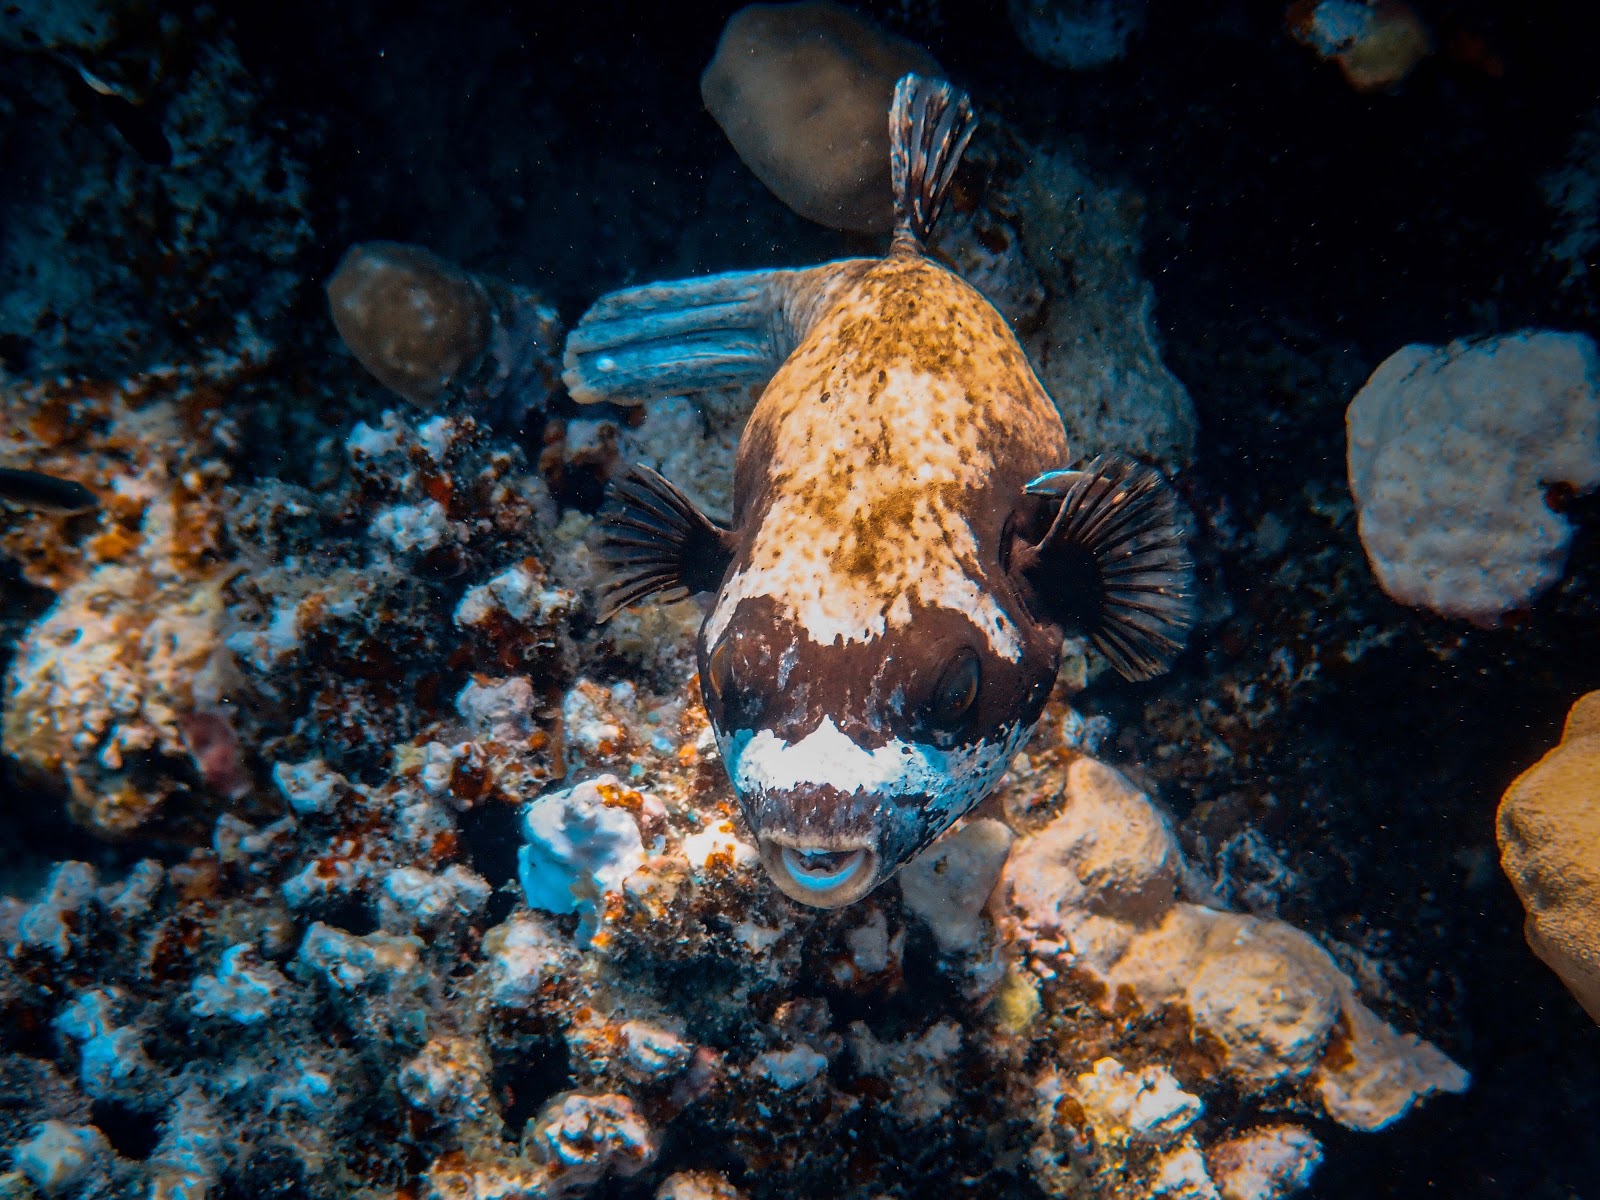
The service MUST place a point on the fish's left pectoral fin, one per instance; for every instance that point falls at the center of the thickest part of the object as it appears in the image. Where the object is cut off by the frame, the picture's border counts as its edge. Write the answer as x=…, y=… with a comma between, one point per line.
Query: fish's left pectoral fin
x=656, y=542
x=1114, y=564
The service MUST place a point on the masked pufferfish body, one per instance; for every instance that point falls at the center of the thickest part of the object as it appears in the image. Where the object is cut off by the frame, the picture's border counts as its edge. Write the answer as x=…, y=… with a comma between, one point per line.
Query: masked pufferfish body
x=907, y=543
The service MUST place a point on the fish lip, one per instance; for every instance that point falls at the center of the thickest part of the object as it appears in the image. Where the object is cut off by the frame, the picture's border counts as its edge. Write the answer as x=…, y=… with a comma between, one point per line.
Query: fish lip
x=852, y=880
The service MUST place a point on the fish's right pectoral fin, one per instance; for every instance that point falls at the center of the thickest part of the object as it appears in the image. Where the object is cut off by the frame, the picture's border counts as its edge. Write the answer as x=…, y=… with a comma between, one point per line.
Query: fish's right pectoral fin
x=690, y=335
x=656, y=542
x=1114, y=564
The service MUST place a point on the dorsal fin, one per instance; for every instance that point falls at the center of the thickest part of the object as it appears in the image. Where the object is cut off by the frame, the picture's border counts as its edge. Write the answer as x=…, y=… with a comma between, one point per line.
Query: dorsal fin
x=930, y=123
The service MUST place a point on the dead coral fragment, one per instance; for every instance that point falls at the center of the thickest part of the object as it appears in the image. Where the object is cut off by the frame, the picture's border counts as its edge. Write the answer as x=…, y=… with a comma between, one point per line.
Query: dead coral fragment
x=1549, y=832
x=1094, y=892
x=949, y=885
x=60, y=1157
x=1376, y=44
x=586, y=1137
x=115, y=675
x=802, y=91
x=1264, y=1164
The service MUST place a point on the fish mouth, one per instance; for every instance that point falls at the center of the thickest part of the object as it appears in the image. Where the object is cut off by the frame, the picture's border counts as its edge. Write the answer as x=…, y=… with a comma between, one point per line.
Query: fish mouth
x=822, y=874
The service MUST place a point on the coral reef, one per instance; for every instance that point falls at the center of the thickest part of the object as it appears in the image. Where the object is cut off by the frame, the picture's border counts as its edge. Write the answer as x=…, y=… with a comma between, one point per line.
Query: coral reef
x=1453, y=455
x=120, y=695
x=280, y=715
x=1549, y=832
x=802, y=91
x=651, y=993
x=111, y=261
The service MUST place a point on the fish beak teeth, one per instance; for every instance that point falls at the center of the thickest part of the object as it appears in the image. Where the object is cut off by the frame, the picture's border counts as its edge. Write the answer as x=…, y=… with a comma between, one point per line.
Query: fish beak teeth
x=821, y=876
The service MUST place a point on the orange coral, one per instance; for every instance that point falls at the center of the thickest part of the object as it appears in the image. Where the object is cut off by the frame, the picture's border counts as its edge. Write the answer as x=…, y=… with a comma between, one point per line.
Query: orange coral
x=1376, y=43
x=1549, y=833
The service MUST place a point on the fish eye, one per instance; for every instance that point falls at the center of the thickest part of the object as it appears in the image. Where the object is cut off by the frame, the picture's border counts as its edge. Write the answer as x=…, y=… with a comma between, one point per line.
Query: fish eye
x=719, y=670
x=956, y=694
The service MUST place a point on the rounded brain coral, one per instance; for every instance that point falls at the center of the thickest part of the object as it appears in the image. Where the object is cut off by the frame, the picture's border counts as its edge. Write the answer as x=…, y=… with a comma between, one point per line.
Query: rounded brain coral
x=1451, y=453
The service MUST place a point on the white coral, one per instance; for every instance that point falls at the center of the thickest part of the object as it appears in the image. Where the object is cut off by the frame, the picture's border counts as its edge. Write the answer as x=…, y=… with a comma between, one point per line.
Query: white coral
x=589, y=1136
x=1450, y=454
x=581, y=843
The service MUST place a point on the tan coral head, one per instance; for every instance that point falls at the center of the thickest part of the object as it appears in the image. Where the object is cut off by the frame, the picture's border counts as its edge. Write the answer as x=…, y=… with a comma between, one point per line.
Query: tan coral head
x=800, y=90
x=411, y=319
x=1549, y=833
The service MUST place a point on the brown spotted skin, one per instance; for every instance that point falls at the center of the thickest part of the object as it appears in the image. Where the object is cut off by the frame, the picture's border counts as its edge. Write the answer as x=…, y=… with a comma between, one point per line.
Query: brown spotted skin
x=885, y=456
x=877, y=481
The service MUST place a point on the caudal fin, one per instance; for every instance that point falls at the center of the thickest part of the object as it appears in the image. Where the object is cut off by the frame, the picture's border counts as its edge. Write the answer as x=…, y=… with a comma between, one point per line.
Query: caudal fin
x=930, y=123
x=686, y=335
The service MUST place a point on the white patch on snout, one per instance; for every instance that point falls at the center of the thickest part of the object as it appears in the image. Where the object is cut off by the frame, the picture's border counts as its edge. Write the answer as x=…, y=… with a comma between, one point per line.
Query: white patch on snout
x=761, y=763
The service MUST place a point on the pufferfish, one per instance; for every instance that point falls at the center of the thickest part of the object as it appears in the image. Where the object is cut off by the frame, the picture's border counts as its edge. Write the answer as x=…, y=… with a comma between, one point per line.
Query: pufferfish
x=909, y=540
